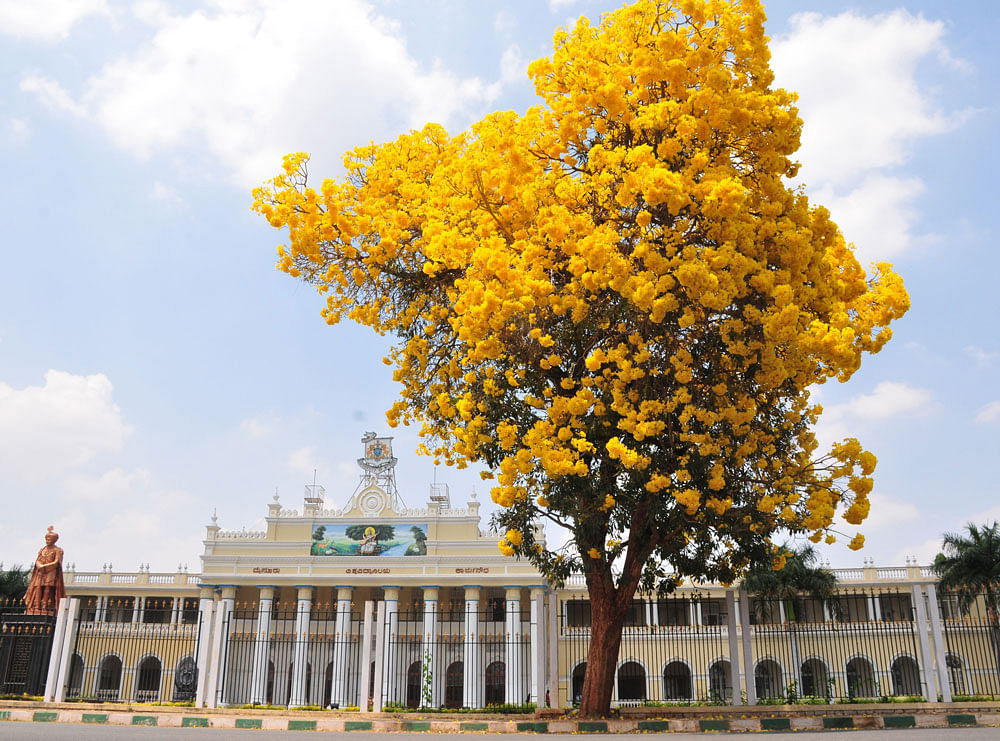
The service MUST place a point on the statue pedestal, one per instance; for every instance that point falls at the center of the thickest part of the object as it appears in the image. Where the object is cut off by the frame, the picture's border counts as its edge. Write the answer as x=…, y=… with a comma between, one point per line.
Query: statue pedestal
x=25, y=645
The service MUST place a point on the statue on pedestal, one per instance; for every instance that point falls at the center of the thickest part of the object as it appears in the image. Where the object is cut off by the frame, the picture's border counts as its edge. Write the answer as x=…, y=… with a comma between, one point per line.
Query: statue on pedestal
x=46, y=587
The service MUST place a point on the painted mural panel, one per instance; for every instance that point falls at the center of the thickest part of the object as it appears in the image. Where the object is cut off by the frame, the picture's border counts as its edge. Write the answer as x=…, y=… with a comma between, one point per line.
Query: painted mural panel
x=376, y=539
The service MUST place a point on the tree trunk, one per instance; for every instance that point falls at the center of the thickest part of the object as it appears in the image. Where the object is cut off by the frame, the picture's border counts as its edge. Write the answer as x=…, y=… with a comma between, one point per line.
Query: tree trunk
x=607, y=620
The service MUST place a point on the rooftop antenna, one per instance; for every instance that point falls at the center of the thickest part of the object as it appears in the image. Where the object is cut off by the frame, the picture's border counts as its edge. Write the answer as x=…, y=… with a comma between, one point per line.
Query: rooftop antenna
x=439, y=492
x=314, y=492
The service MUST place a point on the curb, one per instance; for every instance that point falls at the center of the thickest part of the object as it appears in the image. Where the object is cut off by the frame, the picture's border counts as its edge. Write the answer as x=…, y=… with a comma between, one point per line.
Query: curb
x=776, y=722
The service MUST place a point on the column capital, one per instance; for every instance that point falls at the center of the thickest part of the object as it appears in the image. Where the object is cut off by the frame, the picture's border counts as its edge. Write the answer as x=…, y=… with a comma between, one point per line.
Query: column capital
x=513, y=592
x=228, y=591
x=472, y=592
x=205, y=592
x=266, y=591
x=391, y=594
x=344, y=593
x=538, y=590
x=304, y=592
x=430, y=592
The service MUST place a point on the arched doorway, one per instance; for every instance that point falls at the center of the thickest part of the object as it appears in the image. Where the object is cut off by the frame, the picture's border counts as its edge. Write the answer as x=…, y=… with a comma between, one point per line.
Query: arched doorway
x=496, y=676
x=269, y=691
x=767, y=678
x=860, y=678
x=74, y=687
x=147, y=687
x=631, y=681
x=413, y=685
x=905, y=677
x=579, y=674
x=109, y=679
x=327, y=685
x=676, y=681
x=956, y=674
x=719, y=685
x=453, y=680
x=814, y=679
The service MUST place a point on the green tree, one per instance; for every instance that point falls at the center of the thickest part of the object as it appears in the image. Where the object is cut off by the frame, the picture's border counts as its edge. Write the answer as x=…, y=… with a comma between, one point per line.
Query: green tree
x=13, y=582
x=319, y=533
x=799, y=577
x=969, y=567
x=616, y=302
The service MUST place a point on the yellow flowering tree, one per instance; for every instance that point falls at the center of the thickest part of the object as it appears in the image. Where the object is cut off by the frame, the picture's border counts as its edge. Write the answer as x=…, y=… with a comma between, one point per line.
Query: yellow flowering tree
x=615, y=302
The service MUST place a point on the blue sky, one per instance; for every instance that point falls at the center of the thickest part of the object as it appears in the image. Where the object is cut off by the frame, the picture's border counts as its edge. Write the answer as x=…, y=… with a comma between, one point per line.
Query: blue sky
x=154, y=366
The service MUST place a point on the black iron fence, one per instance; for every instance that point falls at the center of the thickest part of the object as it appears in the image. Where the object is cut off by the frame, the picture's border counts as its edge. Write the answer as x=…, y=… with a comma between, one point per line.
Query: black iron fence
x=971, y=629
x=128, y=650
x=858, y=645
x=25, y=646
x=291, y=656
x=458, y=658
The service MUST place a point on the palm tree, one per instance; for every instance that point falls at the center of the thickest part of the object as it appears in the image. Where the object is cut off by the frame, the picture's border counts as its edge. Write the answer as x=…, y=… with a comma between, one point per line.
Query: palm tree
x=969, y=567
x=13, y=583
x=802, y=577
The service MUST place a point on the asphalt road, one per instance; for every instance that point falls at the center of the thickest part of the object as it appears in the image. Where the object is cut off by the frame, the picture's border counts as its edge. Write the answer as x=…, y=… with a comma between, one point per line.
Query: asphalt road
x=76, y=732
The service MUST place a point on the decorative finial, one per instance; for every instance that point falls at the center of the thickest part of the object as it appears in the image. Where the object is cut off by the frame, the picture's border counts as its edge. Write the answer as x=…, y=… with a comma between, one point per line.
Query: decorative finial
x=276, y=495
x=215, y=516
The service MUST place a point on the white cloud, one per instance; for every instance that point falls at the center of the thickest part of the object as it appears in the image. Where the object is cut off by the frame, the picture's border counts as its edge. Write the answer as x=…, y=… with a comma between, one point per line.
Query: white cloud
x=303, y=460
x=877, y=216
x=17, y=131
x=504, y=22
x=254, y=79
x=989, y=413
x=51, y=94
x=887, y=512
x=983, y=358
x=555, y=5
x=889, y=399
x=255, y=427
x=164, y=193
x=58, y=426
x=923, y=552
x=46, y=20
x=864, y=109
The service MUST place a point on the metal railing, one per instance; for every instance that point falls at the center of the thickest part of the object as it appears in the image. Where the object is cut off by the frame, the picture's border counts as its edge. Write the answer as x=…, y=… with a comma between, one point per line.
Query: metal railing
x=971, y=631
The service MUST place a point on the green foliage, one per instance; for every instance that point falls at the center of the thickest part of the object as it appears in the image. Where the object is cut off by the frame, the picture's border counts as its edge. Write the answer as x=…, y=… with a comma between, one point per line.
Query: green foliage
x=427, y=685
x=13, y=582
x=319, y=533
x=801, y=575
x=969, y=564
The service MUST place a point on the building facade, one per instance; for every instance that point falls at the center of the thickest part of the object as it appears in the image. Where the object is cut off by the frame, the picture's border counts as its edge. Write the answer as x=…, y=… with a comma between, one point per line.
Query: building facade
x=376, y=605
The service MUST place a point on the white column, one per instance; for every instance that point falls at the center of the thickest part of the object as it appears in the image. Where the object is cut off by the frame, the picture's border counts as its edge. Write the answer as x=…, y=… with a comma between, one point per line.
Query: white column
x=748, y=668
x=300, y=657
x=429, y=650
x=220, y=646
x=341, y=644
x=734, y=646
x=537, y=688
x=364, y=696
x=472, y=681
x=390, y=673
x=206, y=608
x=944, y=680
x=553, y=647
x=929, y=688
x=262, y=646
x=381, y=641
x=512, y=659
x=102, y=605
x=137, y=610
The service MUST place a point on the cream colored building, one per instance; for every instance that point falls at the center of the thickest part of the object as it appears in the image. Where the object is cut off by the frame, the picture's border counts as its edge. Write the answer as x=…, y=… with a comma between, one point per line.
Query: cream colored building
x=377, y=604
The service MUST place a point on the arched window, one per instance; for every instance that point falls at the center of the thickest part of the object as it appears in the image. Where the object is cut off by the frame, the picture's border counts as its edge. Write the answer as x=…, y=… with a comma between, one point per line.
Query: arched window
x=905, y=677
x=676, y=681
x=147, y=687
x=631, y=681
x=956, y=674
x=719, y=685
x=327, y=684
x=579, y=673
x=185, y=679
x=413, y=685
x=74, y=687
x=496, y=676
x=109, y=679
x=453, y=680
x=860, y=678
x=814, y=679
x=767, y=678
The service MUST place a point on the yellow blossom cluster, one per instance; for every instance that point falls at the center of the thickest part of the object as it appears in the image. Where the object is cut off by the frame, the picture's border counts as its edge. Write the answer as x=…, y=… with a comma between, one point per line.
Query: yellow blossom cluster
x=615, y=291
